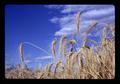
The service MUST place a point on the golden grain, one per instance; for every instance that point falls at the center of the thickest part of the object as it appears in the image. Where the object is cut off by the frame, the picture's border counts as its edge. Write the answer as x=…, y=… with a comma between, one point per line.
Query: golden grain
x=53, y=47
x=78, y=21
x=85, y=63
x=61, y=43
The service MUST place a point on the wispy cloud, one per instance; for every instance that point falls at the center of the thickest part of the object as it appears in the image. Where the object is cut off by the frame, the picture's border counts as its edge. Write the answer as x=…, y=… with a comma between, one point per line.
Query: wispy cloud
x=54, y=20
x=43, y=57
x=85, y=8
x=54, y=6
x=100, y=13
x=28, y=61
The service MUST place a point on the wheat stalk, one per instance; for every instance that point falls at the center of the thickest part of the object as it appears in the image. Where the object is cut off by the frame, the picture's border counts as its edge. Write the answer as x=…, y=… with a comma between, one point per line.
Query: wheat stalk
x=61, y=43
x=49, y=69
x=84, y=43
x=104, y=36
x=72, y=42
x=91, y=26
x=78, y=21
x=57, y=65
x=21, y=55
x=112, y=29
x=90, y=65
x=92, y=41
x=64, y=46
x=53, y=47
x=21, y=51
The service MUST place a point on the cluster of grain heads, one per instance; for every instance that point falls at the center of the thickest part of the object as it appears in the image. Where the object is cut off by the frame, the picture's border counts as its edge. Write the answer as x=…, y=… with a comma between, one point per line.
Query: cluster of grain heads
x=53, y=47
x=85, y=63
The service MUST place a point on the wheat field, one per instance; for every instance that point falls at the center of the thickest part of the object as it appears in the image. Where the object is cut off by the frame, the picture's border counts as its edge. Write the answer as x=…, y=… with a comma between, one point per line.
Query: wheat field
x=86, y=62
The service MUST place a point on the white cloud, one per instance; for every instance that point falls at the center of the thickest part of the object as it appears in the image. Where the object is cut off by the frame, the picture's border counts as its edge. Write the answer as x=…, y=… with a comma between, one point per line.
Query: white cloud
x=74, y=8
x=54, y=20
x=100, y=13
x=43, y=57
x=54, y=6
x=28, y=61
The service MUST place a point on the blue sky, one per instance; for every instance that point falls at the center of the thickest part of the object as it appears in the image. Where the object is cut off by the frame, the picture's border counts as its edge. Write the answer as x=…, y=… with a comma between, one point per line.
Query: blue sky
x=40, y=24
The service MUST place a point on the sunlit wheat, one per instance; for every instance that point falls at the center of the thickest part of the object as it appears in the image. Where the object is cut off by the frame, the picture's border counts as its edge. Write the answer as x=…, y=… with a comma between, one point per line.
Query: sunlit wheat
x=87, y=62
x=53, y=47
x=78, y=21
